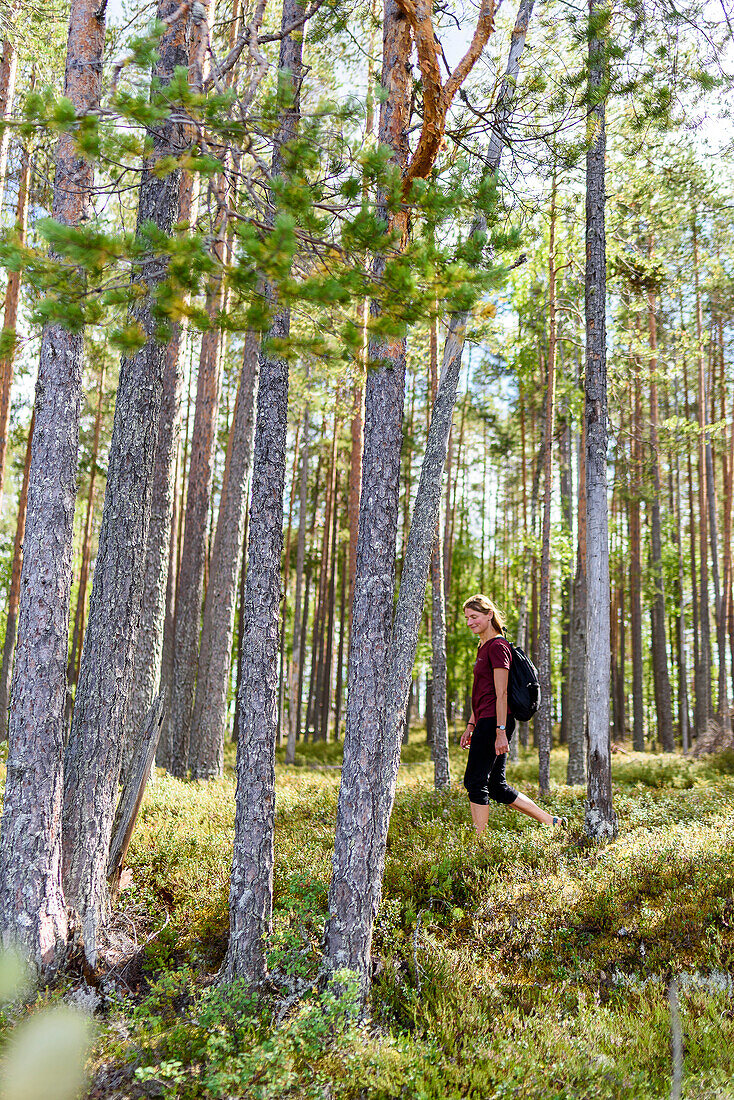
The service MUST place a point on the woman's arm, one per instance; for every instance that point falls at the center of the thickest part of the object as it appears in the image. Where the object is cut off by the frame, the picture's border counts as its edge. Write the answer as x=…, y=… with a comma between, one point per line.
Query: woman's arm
x=501, y=676
x=466, y=735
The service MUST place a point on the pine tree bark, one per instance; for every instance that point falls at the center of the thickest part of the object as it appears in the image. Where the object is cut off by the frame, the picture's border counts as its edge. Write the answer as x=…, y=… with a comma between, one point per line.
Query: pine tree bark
x=10, y=318
x=251, y=890
x=81, y=602
x=661, y=678
x=599, y=817
x=32, y=907
x=11, y=624
x=544, y=717
x=94, y=752
x=210, y=707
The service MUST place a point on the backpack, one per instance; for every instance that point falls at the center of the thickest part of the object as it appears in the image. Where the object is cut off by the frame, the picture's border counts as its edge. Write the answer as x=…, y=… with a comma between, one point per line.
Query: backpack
x=523, y=686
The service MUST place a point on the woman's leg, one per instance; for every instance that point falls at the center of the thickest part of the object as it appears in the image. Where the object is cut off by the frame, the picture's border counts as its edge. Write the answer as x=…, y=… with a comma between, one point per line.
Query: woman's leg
x=478, y=766
x=526, y=806
x=480, y=817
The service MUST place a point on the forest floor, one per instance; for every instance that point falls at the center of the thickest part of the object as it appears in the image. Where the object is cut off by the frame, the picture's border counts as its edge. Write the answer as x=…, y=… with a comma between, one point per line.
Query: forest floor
x=532, y=964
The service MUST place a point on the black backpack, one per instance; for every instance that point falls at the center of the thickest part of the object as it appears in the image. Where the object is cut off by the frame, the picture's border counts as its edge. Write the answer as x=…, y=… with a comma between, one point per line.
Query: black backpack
x=523, y=686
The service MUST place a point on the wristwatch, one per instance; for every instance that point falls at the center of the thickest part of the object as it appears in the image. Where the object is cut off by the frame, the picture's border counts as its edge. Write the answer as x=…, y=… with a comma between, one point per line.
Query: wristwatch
x=501, y=727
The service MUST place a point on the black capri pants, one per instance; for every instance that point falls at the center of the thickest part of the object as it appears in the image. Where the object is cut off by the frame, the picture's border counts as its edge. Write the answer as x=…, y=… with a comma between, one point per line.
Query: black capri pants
x=485, y=770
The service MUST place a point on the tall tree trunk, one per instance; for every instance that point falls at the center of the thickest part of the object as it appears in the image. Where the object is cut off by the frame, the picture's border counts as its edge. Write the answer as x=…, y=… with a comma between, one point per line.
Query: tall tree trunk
x=439, y=718
x=703, y=666
x=544, y=718
x=251, y=889
x=661, y=679
x=282, y=673
x=680, y=619
x=381, y=659
x=295, y=661
x=325, y=703
x=198, y=502
x=11, y=624
x=93, y=755
x=576, y=771
x=358, y=852
x=72, y=671
x=10, y=318
x=32, y=909
x=8, y=73
x=159, y=591
x=600, y=819
x=210, y=707
x=566, y=588
x=638, y=709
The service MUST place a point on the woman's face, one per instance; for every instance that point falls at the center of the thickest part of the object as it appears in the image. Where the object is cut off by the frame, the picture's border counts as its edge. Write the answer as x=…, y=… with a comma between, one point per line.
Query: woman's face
x=477, y=621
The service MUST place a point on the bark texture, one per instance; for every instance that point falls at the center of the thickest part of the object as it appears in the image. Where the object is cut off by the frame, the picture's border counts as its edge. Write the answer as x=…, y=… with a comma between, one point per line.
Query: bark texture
x=210, y=707
x=251, y=889
x=11, y=625
x=93, y=756
x=600, y=819
x=149, y=644
x=32, y=908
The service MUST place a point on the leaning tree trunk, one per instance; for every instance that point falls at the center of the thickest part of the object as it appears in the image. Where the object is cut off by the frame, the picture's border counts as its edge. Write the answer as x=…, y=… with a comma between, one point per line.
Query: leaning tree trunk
x=251, y=889
x=600, y=819
x=32, y=908
x=661, y=678
x=93, y=756
x=210, y=707
x=544, y=719
x=381, y=658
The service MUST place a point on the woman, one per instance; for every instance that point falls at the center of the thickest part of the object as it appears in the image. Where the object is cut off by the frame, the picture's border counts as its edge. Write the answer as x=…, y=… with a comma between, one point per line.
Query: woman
x=490, y=726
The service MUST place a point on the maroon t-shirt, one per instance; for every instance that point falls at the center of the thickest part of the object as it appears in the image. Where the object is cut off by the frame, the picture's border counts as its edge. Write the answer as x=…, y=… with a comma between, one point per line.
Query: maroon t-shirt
x=492, y=654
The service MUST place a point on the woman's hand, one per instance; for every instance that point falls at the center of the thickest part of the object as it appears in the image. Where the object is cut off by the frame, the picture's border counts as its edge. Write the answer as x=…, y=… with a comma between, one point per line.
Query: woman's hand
x=466, y=736
x=501, y=744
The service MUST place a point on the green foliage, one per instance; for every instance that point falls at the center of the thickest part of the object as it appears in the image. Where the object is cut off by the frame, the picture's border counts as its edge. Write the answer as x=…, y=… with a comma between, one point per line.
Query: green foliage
x=532, y=960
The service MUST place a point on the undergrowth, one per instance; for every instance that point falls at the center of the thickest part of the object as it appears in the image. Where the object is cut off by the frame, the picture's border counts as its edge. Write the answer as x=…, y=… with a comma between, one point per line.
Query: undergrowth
x=531, y=964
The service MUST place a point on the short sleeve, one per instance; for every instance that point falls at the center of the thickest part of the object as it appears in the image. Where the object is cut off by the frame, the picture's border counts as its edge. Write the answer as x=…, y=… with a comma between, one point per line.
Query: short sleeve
x=498, y=653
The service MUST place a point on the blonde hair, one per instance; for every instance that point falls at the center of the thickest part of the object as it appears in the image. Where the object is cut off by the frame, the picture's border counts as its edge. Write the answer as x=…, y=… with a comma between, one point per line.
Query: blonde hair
x=485, y=605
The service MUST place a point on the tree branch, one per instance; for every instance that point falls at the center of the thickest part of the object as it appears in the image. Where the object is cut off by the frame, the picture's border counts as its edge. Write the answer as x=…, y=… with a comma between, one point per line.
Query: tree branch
x=437, y=98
